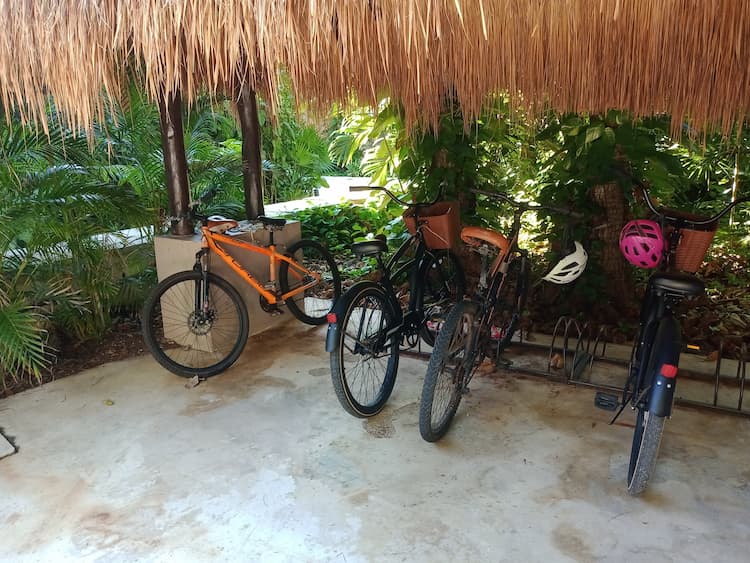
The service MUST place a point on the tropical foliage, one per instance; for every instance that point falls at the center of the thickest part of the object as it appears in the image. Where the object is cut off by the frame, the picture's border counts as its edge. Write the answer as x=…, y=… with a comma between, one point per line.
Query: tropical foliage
x=59, y=274
x=64, y=280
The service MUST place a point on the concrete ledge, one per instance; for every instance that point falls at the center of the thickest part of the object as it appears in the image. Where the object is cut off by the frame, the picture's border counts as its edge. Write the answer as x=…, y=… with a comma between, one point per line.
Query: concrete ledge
x=6, y=448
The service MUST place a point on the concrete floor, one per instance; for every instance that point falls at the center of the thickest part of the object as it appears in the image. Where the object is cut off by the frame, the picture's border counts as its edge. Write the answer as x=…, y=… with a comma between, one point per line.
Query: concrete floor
x=124, y=463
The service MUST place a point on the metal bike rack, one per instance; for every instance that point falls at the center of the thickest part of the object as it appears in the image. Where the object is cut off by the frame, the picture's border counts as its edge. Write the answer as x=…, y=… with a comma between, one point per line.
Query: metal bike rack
x=580, y=347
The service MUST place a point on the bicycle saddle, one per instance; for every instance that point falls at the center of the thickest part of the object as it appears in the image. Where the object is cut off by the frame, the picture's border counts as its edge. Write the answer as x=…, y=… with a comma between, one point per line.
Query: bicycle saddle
x=475, y=236
x=677, y=284
x=271, y=221
x=370, y=247
x=219, y=224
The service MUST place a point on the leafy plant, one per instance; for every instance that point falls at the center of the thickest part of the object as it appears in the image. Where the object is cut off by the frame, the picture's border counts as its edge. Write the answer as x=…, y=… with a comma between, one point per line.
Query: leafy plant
x=338, y=226
x=296, y=153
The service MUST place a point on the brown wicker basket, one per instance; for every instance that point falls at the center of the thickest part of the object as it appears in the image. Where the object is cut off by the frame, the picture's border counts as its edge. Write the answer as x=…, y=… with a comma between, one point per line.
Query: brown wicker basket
x=694, y=243
x=692, y=249
x=441, y=224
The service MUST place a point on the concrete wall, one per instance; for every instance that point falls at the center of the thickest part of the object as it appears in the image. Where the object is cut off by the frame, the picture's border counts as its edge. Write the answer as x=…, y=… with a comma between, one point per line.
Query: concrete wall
x=177, y=253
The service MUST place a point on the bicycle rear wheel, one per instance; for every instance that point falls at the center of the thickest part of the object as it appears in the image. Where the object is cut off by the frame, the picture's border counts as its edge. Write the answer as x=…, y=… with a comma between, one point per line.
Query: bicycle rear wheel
x=450, y=363
x=510, y=302
x=313, y=304
x=364, y=361
x=649, y=429
x=188, y=336
x=444, y=286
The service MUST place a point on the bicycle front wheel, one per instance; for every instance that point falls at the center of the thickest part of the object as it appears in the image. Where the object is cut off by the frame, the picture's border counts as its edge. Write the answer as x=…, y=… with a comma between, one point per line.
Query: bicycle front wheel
x=450, y=363
x=312, y=304
x=189, y=336
x=364, y=361
x=510, y=302
x=646, y=440
x=444, y=286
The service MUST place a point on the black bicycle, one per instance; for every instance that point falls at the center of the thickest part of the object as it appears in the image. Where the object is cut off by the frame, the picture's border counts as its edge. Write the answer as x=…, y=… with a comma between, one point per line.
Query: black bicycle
x=485, y=324
x=369, y=325
x=652, y=374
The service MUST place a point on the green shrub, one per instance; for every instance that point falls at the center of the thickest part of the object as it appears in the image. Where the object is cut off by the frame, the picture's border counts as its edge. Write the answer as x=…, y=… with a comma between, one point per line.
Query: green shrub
x=338, y=226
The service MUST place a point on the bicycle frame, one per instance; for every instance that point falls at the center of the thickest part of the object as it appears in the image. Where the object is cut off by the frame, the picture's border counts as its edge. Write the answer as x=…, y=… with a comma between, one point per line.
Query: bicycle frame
x=212, y=242
x=415, y=269
x=653, y=389
x=486, y=305
x=413, y=317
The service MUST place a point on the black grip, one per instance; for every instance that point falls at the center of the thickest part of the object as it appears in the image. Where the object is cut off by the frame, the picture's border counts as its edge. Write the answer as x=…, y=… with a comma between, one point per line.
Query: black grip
x=208, y=195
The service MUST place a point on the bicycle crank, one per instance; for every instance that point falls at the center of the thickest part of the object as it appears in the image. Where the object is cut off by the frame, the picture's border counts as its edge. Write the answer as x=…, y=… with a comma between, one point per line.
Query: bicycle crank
x=270, y=308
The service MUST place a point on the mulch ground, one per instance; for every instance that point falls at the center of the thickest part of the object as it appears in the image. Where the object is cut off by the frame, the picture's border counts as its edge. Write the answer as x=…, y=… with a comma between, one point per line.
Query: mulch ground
x=121, y=342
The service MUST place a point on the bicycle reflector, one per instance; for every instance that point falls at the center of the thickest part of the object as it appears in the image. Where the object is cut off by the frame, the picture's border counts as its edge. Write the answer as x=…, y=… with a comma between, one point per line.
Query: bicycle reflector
x=668, y=370
x=331, y=318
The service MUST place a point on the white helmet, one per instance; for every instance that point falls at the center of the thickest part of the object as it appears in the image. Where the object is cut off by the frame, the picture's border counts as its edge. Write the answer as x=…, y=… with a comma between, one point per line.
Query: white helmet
x=570, y=267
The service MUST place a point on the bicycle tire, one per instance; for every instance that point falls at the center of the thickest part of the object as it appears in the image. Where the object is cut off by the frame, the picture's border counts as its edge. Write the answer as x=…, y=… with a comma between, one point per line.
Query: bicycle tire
x=364, y=393
x=445, y=376
x=185, y=345
x=321, y=297
x=444, y=286
x=648, y=427
x=510, y=302
x=646, y=441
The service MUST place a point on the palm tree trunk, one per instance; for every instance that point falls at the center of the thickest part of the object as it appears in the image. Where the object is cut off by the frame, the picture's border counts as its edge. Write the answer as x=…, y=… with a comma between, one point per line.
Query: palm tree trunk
x=619, y=288
x=175, y=162
x=251, y=165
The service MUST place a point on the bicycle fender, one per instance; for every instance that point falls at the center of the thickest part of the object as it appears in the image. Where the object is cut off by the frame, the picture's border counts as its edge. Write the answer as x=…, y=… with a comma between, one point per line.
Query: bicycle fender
x=665, y=356
x=340, y=308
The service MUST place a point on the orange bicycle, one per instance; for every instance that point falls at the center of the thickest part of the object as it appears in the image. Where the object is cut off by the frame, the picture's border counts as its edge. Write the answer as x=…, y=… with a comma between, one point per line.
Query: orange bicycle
x=196, y=323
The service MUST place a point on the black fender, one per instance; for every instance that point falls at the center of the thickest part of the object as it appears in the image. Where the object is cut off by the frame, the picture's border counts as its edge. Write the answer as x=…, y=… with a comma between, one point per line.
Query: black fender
x=343, y=304
x=665, y=357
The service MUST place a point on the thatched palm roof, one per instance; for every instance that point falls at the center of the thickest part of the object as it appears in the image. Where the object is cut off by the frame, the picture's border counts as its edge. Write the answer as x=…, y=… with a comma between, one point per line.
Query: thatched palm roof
x=685, y=57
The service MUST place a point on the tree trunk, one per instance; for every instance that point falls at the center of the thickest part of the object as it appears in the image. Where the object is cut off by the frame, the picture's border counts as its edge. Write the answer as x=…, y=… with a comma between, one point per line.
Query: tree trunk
x=251, y=165
x=175, y=162
x=619, y=288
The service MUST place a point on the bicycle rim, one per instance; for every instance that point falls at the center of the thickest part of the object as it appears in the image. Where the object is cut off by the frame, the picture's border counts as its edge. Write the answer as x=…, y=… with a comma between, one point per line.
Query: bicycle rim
x=364, y=365
x=313, y=304
x=444, y=286
x=190, y=342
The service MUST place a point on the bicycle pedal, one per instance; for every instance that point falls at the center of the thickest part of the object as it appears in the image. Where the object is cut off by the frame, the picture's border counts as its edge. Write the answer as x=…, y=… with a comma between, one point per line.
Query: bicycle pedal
x=504, y=363
x=606, y=402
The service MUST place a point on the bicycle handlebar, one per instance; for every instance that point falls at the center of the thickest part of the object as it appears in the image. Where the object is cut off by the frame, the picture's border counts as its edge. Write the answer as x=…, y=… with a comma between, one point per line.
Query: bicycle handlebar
x=395, y=198
x=664, y=212
x=528, y=206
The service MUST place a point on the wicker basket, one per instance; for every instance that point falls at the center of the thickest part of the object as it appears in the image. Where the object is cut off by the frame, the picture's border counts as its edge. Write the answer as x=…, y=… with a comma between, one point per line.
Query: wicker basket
x=440, y=224
x=692, y=249
x=694, y=243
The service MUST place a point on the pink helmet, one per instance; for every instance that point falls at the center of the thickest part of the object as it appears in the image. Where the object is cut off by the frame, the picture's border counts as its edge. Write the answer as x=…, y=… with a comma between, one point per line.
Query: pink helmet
x=642, y=243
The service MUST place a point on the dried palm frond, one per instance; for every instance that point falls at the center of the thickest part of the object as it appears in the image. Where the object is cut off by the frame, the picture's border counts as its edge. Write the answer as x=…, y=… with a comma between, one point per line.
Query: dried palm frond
x=682, y=57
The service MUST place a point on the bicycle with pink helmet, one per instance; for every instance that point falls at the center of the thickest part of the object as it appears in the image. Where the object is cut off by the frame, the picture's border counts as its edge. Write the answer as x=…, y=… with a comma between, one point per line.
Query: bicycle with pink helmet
x=652, y=374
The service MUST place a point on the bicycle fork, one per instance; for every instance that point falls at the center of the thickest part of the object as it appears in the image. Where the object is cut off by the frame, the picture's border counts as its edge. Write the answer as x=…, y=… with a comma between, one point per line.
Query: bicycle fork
x=202, y=303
